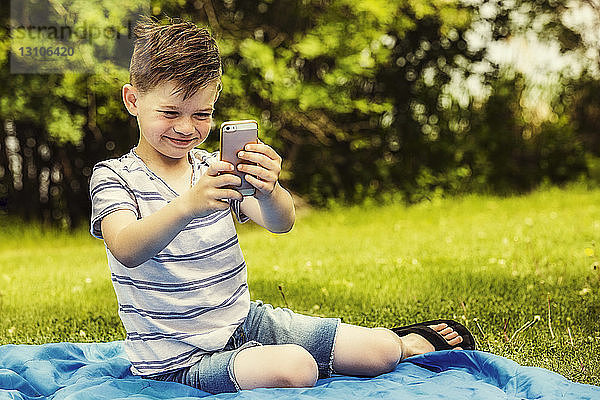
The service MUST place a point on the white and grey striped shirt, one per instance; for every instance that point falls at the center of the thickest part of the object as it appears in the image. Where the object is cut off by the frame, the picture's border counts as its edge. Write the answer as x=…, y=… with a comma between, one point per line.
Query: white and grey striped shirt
x=189, y=298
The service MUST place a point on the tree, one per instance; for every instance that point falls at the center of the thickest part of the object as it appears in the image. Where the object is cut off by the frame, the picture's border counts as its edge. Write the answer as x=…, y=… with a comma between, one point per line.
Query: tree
x=58, y=124
x=362, y=99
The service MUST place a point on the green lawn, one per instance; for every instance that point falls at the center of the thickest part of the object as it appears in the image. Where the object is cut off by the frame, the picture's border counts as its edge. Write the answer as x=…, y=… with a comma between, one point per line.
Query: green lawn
x=517, y=271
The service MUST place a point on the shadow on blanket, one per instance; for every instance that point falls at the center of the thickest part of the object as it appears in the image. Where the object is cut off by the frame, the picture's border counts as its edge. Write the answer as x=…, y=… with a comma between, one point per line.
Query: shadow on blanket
x=101, y=371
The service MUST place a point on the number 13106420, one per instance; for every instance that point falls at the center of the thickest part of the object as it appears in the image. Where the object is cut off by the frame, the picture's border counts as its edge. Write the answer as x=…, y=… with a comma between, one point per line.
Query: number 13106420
x=58, y=51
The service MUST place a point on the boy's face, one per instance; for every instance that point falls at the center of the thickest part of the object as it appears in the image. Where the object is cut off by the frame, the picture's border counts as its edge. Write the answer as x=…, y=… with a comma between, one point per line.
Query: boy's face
x=169, y=125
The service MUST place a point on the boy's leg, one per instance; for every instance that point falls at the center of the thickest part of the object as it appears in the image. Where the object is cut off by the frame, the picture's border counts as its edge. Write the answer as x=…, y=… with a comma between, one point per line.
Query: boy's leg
x=247, y=367
x=373, y=351
x=284, y=365
x=281, y=326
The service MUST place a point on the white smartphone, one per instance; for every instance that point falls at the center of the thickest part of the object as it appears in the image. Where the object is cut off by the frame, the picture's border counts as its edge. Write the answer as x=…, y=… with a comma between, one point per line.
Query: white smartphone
x=234, y=136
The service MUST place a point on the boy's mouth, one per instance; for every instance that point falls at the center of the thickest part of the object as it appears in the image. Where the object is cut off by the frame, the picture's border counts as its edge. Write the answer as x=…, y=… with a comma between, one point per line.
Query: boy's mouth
x=180, y=142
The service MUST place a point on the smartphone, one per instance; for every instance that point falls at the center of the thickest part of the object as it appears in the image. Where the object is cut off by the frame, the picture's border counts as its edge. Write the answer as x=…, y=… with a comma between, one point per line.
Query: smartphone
x=234, y=136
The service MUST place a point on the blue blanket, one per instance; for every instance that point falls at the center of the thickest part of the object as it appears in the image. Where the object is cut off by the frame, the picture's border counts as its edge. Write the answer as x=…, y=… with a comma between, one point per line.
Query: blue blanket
x=101, y=371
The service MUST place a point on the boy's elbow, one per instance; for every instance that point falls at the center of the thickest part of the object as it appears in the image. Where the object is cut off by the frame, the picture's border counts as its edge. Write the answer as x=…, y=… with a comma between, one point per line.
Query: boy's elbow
x=289, y=228
x=127, y=259
x=284, y=229
x=130, y=263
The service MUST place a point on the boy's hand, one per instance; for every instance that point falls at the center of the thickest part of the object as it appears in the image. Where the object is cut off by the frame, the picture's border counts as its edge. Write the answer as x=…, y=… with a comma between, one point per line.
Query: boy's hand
x=208, y=194
x=265, y=174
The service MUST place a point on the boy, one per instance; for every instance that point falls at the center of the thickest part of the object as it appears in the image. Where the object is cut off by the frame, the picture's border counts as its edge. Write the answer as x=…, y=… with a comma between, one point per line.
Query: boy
x=179, y=275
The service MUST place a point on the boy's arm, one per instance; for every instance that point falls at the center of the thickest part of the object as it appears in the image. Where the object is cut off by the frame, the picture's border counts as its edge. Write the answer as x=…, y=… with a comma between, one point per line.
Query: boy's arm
x=271, y=206
x=274, y=212
x=133, y=241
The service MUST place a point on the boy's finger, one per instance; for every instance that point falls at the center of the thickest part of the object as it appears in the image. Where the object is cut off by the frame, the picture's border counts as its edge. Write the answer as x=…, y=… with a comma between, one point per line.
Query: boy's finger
x=263, y=149
x=257, y=171
x=218, y=167
x=231, y=194
x=260, y=185
x=227, y=179
x=258, y=158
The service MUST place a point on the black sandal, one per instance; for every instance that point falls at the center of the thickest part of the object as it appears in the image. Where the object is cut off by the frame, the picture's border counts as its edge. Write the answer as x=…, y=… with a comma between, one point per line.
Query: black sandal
x=436, y=340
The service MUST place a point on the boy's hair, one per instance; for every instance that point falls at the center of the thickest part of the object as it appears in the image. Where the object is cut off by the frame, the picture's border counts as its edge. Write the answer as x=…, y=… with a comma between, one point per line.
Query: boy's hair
x=180, y=52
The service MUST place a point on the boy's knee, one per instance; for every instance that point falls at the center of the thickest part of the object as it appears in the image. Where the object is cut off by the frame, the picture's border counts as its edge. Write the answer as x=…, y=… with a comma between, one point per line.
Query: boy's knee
x=299, y=368
x=284, y=365
x=387, y=350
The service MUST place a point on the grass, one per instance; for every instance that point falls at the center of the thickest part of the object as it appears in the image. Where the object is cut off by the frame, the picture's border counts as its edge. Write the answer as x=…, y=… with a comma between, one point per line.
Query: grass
x=517, y=271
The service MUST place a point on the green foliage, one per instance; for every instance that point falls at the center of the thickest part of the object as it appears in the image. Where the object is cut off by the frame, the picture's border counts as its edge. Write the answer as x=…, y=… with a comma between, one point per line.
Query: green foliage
x=506, y=153
x=360, y=98
x=58, y=102
x=63, y=126
x=593, y=165
x=496, y=264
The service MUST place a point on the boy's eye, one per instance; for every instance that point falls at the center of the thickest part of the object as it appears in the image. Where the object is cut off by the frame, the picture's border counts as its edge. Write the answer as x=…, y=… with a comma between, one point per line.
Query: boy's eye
x=202, y=115
x=169, y=114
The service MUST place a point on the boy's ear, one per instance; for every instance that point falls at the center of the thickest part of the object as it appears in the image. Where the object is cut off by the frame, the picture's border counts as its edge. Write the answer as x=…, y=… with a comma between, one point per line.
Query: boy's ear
x=219, y=89
x=130, y=98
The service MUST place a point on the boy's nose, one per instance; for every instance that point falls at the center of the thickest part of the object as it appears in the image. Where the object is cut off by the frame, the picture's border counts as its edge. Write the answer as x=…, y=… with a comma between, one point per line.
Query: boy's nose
x=184, y=128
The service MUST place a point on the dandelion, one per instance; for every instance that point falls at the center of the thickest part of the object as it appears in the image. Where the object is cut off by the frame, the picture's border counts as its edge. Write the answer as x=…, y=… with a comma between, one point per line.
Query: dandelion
x=12, y=330
x=82, y=333
x=589, y=252
x=415, y=261
x=526, y=326
x=88, y=280
x=584, y=291
x=529, y=221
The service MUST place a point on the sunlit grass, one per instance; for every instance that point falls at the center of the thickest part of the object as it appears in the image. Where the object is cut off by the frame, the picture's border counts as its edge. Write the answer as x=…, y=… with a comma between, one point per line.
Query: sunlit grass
x=502, y=266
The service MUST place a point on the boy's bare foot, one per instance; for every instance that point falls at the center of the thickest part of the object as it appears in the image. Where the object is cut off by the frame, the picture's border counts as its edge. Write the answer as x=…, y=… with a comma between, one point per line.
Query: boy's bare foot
x=413, y=343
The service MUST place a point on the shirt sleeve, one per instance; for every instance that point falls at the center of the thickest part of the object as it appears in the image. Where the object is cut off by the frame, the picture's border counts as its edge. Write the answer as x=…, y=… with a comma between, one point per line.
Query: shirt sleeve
x=109, y=193
x=235, y=208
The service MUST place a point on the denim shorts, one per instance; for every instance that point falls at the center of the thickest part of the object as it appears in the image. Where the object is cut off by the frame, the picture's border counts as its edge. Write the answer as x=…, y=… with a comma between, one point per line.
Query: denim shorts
x=264, y=325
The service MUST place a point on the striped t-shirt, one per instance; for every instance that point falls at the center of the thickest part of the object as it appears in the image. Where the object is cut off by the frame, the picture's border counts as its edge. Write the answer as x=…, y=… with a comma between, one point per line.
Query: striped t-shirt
x=189, y=298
